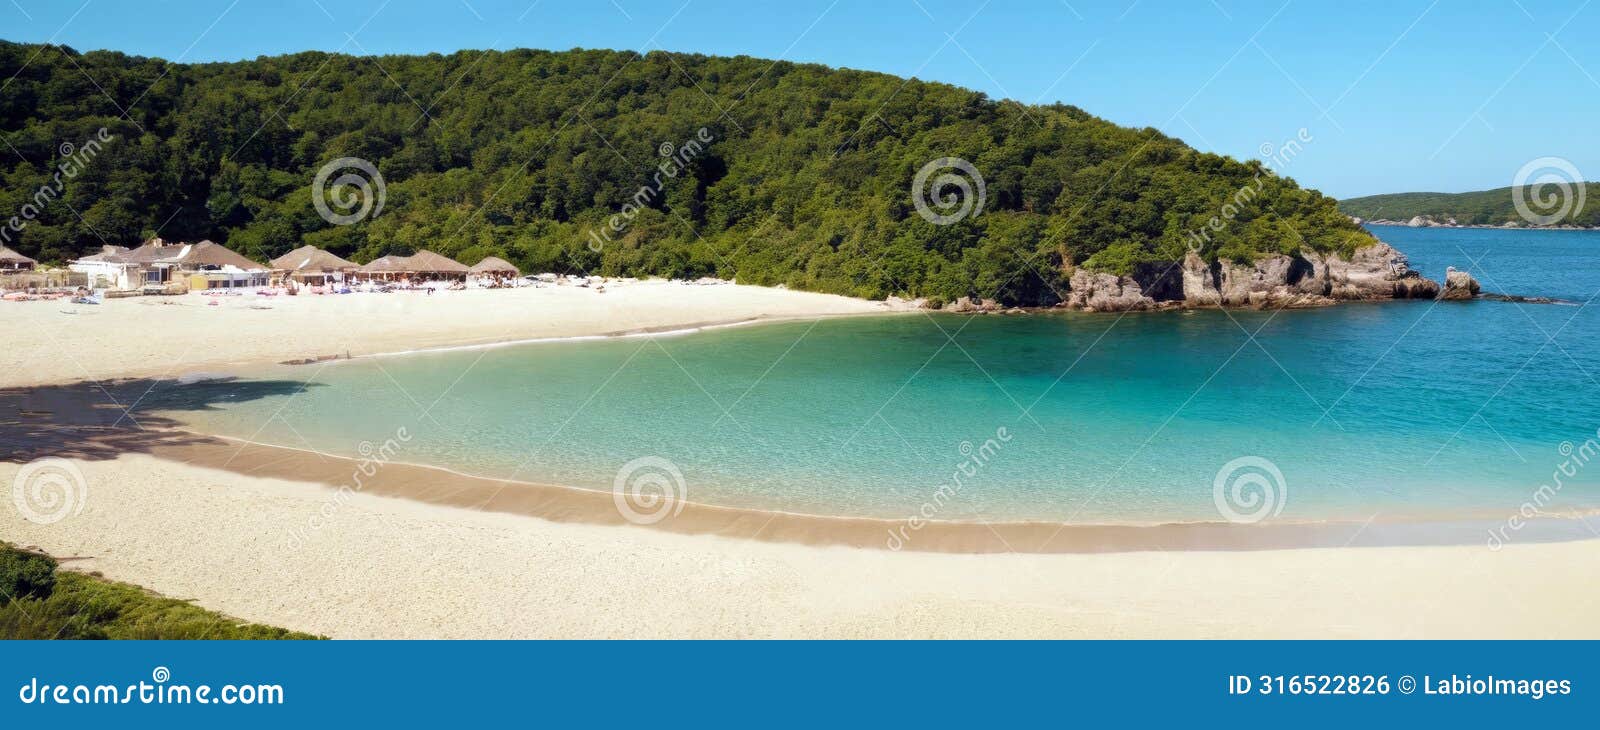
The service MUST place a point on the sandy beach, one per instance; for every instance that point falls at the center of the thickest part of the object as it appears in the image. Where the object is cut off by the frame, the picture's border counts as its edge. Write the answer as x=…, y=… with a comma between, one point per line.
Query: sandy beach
x=409, y=559
x=54, y=341
x=392, y=568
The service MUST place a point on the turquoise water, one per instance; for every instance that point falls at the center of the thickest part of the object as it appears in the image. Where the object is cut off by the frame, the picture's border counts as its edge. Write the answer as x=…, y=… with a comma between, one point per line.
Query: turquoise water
x=1403, y=409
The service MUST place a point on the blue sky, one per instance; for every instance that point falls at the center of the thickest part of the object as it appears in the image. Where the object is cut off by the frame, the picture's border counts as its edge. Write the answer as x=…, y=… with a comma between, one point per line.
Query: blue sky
x=1397, y=95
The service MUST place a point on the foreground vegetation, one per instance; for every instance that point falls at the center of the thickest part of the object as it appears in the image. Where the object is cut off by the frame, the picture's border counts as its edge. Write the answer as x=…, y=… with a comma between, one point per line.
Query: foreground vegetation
x=522, y=154
x=39, y=602
x=1482, y=208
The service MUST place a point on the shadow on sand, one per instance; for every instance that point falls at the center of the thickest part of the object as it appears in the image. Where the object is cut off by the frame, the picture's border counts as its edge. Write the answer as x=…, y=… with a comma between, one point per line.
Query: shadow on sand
x=99, y=421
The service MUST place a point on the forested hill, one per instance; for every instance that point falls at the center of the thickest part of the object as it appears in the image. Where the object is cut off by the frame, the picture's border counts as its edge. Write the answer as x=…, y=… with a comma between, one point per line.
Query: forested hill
x=807, y=179
x=1483, y=208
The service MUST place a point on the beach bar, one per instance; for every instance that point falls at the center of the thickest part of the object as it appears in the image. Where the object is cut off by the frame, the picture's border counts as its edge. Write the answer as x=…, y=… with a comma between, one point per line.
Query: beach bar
x=383, y=268
x=494, y=266
x=430, y=266
x=422, y=266
x=171, y=267
x=493, y=272
x=12, y=261
x=313, y=266
x=208, y=265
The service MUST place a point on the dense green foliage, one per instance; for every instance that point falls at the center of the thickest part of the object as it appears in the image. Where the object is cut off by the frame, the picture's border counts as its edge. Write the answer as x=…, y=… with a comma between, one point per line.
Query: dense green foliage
x=522, y=153
x=25, y=575
x=38, y=603
x=1486, y=207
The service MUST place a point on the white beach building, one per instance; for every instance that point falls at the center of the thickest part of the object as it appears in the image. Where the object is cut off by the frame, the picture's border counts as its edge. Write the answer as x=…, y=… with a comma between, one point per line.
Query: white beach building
x=203, y=265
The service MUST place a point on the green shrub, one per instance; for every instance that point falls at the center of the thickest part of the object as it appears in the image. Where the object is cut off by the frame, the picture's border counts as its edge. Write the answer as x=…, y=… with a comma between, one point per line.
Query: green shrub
x=42, y=605
x=25, y=575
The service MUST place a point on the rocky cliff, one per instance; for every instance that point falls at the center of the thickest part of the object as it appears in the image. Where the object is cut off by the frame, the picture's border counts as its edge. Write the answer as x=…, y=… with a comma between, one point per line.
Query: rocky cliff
x=1307, y=280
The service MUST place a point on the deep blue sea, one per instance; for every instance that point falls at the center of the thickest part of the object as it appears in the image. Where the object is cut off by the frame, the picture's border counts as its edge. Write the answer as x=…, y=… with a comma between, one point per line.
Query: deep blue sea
x=1354, y=412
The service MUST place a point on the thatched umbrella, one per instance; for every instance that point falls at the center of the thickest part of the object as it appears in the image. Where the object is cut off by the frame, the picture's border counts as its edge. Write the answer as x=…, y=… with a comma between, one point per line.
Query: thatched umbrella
x=494, y=266
x=428, y=262
x=13, y=261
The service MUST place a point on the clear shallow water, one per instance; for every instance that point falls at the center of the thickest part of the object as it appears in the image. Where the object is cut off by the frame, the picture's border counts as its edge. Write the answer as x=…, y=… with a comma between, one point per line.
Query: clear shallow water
x=1405, y=409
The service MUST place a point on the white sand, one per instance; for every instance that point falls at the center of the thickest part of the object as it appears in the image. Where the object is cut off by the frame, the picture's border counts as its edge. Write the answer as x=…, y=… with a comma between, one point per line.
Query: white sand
x=386, y=568
x=170, y=336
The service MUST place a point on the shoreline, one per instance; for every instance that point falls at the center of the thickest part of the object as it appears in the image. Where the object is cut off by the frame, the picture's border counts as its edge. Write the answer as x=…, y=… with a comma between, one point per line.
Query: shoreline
x=73, y=421
x=83, y=422
x=558, y=562
x=1481, y=227
x=185, y=336
x=168, y=337
x=442, y=486
x=390, y=568
x=660, y=331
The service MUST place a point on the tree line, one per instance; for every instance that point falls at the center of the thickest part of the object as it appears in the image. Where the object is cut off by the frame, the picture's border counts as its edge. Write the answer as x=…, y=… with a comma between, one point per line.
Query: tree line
x=524, y=154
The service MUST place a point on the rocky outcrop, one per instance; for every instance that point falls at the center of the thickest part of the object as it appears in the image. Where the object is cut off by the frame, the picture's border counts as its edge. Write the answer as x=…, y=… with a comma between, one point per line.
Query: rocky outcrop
x=1277, y=281
x=1154, y=285
x=1458, y=285
x=1374, y=272
x=1092, y=292
x=973, y=304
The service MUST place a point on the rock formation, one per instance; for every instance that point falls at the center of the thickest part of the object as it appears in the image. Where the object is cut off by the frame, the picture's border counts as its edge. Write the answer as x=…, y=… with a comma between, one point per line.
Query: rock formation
x=973, y=304
x=1374, y=272
x=1458, y=285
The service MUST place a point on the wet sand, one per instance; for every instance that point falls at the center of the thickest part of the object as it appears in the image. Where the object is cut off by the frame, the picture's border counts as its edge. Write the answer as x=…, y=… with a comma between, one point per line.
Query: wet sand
x=557, y=503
